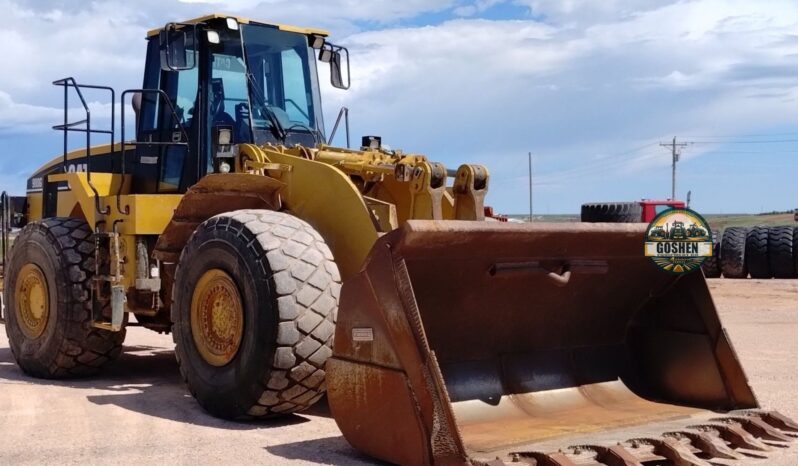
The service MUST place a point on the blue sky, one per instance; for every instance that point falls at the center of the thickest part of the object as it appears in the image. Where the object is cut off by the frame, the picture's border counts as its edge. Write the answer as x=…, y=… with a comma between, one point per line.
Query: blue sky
x=589, y=87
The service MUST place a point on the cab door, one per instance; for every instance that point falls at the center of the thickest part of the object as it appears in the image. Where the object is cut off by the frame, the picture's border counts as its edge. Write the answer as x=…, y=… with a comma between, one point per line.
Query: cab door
x=167, y=141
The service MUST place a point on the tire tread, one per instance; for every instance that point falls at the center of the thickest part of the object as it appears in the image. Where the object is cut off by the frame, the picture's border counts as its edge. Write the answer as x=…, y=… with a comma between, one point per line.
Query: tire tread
x=756, y=252
x=84, y=349
x=307, y=285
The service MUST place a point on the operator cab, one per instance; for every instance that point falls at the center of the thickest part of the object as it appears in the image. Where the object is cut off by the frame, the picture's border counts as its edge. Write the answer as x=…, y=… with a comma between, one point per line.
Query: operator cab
x=229, y=81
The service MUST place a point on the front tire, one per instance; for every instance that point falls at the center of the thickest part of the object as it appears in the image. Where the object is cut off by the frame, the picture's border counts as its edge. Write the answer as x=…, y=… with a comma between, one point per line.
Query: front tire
x=48, y=302
x=256, y=295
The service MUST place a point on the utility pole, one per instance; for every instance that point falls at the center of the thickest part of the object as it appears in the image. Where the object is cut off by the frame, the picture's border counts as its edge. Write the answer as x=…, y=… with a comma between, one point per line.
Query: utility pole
x=530, y=186
x=675, y=148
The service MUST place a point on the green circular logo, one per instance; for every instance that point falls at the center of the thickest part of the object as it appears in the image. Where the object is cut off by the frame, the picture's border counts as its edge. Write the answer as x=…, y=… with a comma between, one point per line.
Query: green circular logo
x=678, y=241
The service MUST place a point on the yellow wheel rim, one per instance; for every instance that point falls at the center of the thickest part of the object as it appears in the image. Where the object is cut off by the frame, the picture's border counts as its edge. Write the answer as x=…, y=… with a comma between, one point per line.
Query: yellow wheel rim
x=217, y=317
x=33, y=301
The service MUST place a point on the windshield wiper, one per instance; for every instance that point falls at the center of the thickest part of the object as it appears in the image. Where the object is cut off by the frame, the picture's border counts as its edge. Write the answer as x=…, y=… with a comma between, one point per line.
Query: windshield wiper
x=280, y=132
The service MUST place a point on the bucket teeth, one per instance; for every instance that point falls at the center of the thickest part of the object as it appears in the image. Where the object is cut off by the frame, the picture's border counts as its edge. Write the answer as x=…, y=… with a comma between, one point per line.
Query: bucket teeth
x=542, y=459
x=758, y=428
x=775, y=419
x=615, y=455
x=670, y=449
x=709, y=445
x=696, y=445
x=734, y=434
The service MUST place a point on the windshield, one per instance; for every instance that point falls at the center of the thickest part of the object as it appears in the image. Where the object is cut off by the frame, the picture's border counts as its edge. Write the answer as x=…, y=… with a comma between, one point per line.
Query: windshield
x=283, y=82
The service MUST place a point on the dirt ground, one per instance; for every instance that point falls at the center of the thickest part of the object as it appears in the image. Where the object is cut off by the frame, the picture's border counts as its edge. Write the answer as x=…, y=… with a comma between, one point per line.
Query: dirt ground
x=138, y=412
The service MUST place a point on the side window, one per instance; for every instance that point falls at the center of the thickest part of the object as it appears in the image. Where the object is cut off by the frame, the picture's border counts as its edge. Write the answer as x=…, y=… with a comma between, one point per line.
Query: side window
x=295, y=87
x=186, y=96
x=148, y=114
x=181, y=87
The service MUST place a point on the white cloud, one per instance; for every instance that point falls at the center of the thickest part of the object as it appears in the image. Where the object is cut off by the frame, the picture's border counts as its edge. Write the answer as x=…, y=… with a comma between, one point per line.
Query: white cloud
x=18, y=117
x=576, y=83
x=492, y=90
x=315, y=12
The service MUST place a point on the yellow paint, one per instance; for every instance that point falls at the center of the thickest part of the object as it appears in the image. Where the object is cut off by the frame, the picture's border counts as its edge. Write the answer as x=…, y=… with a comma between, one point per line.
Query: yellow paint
x=242, y=20
x=34, y=206
x=149, y=213
x=217, y=317
x=327, y=199
x=32, y=301
x=101, y=149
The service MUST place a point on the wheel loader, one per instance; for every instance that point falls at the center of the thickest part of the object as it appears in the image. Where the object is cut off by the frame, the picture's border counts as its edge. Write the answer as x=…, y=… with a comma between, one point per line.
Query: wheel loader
x=286, y=268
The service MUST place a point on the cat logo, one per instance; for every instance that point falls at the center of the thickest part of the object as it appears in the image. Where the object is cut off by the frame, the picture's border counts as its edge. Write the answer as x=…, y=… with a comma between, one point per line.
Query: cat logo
x=76, y=167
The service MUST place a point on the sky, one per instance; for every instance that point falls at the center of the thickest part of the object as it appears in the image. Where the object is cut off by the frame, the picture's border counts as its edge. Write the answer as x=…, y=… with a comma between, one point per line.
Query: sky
x=590, y=88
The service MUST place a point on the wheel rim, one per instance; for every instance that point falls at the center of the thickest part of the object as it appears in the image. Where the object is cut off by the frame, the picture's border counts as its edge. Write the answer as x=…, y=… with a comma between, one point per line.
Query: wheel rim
x=32, y=301
x=217, y=317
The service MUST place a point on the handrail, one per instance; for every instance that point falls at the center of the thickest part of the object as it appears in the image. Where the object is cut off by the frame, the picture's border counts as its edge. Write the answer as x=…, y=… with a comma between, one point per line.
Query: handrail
x=124, y=143
x=70, y=82
x=344, y=112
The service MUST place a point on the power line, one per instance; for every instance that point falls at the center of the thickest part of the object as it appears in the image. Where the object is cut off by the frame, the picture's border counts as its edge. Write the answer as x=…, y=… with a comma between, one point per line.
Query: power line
x=675, y=153
x=763, y=141
x=745, y=136
x=600, y=166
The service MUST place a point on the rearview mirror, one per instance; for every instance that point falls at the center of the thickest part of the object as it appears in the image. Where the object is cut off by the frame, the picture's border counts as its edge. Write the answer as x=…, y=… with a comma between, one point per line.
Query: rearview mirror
x=335, y=55
x=177, y=47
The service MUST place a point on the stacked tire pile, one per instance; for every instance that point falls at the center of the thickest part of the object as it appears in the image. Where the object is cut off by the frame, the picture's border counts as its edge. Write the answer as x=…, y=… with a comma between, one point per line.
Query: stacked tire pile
x=758, y=252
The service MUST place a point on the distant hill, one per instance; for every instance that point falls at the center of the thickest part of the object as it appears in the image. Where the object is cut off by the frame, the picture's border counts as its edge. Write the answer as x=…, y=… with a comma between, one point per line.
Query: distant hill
x=716, y=221
x=721, y=221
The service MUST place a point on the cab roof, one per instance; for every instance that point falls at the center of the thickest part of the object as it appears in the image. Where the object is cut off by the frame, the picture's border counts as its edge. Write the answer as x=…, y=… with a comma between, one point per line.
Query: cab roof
x=241, y=20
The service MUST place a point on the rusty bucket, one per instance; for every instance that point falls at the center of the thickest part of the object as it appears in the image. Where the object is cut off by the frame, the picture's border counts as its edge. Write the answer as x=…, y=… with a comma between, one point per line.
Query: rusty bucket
x=464, y=342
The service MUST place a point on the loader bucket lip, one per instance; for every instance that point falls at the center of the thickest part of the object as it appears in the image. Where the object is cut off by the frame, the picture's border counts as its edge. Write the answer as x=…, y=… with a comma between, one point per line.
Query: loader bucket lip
x=458, y=226
x=467, y=339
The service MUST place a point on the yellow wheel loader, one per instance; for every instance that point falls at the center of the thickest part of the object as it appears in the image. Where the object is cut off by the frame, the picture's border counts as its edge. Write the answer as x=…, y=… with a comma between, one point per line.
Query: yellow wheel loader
x=228, y=220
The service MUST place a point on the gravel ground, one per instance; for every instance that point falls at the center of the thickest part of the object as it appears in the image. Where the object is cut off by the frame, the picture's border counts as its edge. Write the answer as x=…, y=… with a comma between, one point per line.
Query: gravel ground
x=138, y=412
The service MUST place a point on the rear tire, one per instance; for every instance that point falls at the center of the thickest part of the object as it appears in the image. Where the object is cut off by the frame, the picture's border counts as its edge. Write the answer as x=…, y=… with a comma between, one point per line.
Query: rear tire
x=711, y=266
x=732, y=253
x=48, y=297
x=612, y=212
x=266, y=355
x=756, y=252
x=780, y=251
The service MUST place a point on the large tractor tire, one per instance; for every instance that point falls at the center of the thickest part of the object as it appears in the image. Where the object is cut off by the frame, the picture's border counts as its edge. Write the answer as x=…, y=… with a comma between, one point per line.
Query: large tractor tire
x=711, y=266
x=612, y=212
x=780, y=239
x=255, y=301
x=732, y=253
x=756, y=252
x=48, y=302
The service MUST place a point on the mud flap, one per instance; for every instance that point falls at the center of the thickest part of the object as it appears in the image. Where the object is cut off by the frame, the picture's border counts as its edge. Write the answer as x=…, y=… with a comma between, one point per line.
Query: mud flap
x=480, y=340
